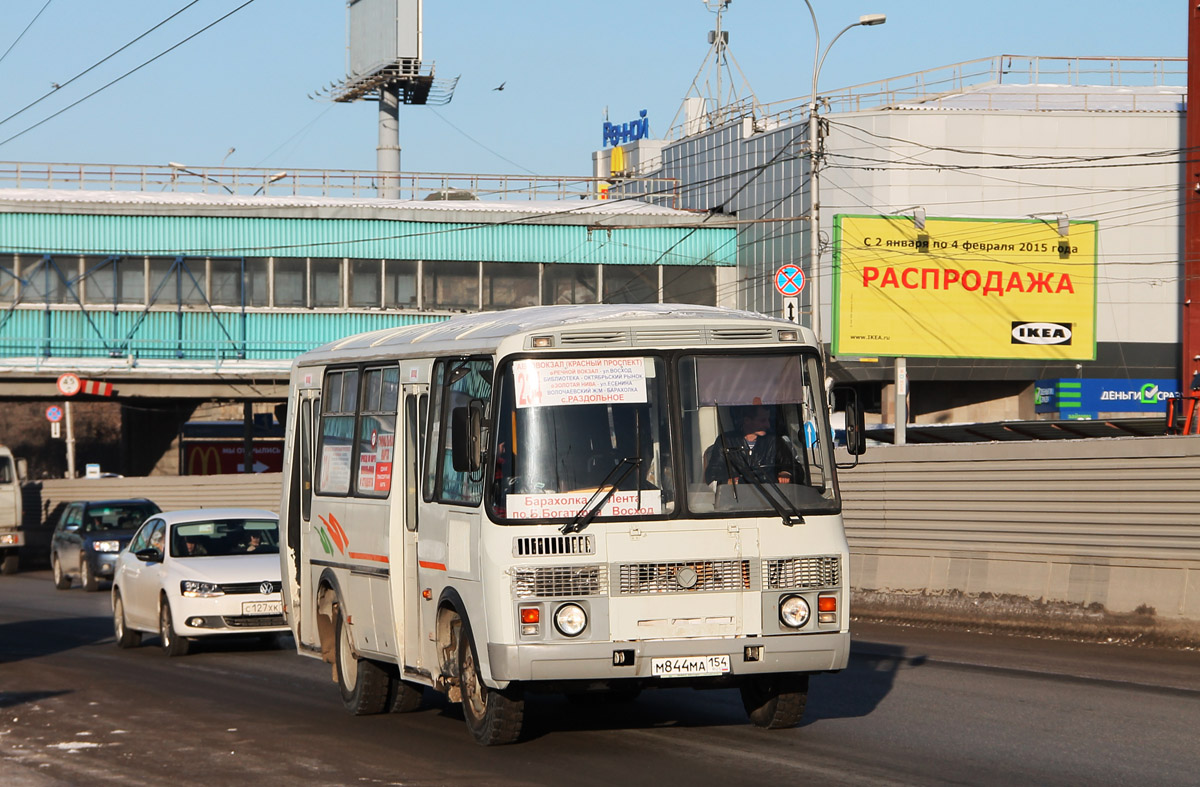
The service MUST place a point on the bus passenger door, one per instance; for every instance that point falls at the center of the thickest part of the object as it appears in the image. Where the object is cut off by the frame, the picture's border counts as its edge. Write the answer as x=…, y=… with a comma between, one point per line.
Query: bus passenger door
x=406, y=592
x=299, y=516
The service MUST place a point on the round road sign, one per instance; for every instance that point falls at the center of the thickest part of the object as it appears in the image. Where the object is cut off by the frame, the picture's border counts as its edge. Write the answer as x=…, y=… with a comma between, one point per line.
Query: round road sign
x=789, y=280
x=54, y=413
x=68, y=384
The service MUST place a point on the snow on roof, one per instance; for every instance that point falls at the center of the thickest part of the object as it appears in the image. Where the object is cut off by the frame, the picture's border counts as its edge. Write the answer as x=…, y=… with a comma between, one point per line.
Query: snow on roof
x=97, y=197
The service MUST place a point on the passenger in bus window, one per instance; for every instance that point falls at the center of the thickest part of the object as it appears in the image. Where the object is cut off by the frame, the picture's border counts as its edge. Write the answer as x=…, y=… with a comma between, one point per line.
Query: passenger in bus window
x=753, y=447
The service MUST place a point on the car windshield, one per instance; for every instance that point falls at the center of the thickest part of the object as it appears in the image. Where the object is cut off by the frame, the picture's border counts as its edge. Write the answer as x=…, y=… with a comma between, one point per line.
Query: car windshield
x=222, y=537
x=755, y=426
x=572, y=434
x=101, y=517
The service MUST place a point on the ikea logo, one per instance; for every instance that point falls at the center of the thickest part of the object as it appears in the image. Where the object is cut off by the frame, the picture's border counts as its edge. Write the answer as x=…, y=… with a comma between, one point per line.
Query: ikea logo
x=1041, y=333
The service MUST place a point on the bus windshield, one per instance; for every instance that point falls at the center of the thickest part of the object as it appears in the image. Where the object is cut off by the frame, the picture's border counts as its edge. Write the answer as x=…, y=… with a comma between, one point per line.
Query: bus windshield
x=755, y=435
x=574, y=434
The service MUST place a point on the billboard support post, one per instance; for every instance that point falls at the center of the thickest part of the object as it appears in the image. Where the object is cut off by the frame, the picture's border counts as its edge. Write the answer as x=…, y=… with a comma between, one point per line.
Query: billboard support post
x=900, y=433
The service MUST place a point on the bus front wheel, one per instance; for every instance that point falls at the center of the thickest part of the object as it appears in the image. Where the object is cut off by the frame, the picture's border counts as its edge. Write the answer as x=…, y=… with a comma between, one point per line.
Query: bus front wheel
x=775, y=702
x=363, y=683
x=494, y=717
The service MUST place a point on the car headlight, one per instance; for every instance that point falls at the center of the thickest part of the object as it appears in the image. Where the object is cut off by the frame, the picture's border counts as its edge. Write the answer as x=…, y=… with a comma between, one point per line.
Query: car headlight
x=106, y=546
x=794, y=612
x=570, y=620
x=193, y=589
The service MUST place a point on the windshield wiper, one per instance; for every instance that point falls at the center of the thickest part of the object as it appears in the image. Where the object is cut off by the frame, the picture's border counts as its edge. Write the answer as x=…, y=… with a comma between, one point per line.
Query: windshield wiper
x=589, y=512
x=786, y=509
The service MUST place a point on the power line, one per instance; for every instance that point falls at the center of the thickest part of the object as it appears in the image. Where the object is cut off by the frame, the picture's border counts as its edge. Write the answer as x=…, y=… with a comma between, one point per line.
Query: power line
x=126, y=74
x=96, y=64
x=26, y=30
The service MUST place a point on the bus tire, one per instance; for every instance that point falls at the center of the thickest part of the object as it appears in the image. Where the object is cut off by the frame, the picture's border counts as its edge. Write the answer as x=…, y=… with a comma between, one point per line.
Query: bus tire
x=11, y=562
x=405, y=697
x=362, y=682
x=775, y=702
x=493, y=717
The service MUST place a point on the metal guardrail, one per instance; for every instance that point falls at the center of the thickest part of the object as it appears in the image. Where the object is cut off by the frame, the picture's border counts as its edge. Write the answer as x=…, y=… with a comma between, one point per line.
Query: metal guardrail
x=932, y=84
x=250, y=182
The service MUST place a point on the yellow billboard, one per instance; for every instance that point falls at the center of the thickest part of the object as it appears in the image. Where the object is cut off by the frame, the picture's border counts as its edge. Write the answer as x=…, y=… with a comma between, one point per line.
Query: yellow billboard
x=964, y=288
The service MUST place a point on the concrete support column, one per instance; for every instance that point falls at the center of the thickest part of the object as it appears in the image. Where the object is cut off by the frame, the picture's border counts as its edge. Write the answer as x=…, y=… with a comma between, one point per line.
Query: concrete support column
x=387, y=153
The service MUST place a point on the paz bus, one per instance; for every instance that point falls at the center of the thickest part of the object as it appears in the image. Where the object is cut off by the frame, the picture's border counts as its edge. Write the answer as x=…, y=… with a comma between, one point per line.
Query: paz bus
x=575, y=499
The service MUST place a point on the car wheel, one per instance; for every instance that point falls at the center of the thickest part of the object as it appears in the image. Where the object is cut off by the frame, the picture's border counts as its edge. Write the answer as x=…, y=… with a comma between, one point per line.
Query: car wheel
x=10, y=564
x=364, y=683
x=775, y=702
x=86, y=577
x=61, y=580
x=493, y=717
x=126, y=637
x=172, y=644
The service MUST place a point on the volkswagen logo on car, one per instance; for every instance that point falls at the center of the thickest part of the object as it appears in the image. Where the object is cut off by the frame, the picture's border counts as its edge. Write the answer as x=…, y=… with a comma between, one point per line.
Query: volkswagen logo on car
x=1041, y=333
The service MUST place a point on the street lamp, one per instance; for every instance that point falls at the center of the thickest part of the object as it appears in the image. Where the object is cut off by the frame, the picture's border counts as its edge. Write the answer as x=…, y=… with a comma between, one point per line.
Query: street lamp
x=814, y=152
x=270, y=180
x=182, y=168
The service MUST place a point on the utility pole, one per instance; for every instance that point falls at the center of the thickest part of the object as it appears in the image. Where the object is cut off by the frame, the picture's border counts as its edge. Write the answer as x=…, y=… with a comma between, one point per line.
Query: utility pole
x=1189, y=322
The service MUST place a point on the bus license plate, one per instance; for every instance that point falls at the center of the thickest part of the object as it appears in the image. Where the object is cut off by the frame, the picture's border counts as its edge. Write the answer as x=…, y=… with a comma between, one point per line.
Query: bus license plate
x=689, y=666
x=262, y=607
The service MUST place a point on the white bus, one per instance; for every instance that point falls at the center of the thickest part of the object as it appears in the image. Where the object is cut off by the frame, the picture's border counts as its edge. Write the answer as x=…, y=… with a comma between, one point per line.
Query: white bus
x=572, y=499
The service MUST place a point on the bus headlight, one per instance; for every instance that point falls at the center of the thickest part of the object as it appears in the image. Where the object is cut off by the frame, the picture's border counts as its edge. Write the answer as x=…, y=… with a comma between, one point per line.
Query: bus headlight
x=570, y=620
x=794, y=612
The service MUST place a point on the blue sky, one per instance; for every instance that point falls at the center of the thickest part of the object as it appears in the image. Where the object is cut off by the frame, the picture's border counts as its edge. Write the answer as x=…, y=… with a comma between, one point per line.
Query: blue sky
x=243, y=83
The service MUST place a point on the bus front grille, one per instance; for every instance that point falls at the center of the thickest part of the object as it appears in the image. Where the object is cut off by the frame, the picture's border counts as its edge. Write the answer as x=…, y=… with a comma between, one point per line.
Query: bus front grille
x=684, y=577
x=559, y=581
x=802, y=572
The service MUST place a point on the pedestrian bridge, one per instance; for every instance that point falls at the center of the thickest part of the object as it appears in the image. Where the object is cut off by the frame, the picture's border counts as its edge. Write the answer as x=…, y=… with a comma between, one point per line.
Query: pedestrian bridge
x=206, y=283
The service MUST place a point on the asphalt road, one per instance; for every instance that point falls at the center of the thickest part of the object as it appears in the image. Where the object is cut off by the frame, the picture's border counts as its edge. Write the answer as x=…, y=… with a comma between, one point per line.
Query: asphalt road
x=916, y=706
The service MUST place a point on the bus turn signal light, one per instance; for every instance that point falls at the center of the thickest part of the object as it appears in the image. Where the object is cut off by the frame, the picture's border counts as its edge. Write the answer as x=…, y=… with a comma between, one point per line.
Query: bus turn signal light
x=827, y=604
x=530, y=615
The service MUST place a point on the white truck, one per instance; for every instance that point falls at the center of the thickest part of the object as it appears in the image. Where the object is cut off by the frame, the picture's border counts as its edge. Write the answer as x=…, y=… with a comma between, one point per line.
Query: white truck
x=12, y=538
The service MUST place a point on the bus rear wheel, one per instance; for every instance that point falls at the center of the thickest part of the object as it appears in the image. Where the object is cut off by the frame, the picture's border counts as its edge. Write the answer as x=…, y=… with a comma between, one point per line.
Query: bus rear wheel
x=775, y=702
x=363, y=683
x=494, y=717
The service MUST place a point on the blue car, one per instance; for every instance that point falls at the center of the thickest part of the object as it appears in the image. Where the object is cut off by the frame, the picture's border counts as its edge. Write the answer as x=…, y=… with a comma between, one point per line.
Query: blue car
x=88, y=537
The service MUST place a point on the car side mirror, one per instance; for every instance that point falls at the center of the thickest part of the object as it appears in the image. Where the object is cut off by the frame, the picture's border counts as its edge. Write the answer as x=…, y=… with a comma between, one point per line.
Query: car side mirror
x=466, y=429
x=148, y=555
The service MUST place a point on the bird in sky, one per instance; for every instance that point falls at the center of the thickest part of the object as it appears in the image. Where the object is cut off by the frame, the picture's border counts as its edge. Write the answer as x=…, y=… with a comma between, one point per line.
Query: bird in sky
x=502, y=84
x=55, y=85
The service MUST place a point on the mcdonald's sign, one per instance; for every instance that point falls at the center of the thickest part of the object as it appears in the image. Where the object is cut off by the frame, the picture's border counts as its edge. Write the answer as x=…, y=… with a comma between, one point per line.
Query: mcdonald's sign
x=221, y=458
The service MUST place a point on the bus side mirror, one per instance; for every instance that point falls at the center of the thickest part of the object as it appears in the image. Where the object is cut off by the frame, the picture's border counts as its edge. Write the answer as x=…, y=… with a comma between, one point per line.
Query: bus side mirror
x=856, y=433
x=466, y=429
x=22, y=470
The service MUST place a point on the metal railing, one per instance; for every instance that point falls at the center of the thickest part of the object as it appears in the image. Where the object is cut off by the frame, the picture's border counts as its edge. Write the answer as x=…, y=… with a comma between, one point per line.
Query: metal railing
x=933, y=85
x=361, y=184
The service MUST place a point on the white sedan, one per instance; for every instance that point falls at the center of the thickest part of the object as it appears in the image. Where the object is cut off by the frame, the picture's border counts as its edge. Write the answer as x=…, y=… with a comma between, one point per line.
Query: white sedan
x=190, y=574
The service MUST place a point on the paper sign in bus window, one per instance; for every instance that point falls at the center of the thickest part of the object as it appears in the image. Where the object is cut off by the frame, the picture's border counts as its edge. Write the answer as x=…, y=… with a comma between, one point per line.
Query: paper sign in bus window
x=547, y=382
x=568, y=504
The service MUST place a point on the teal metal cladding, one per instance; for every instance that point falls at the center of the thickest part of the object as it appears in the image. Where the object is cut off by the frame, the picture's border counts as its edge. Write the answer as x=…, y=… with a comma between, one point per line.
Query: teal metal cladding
x=45, y=233
x=74, y=333
x=192, y=333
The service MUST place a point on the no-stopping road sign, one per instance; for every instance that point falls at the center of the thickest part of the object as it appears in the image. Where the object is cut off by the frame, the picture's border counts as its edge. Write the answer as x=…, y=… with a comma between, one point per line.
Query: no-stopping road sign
x=789, y=280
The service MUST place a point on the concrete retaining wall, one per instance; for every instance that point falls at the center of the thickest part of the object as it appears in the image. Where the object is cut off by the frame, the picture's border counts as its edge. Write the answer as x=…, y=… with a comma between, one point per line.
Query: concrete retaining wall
x=1109, y=525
